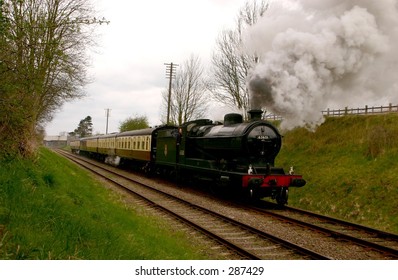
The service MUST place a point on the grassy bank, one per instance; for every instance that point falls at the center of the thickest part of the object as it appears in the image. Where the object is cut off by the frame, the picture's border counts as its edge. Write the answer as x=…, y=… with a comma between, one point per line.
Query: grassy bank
x=51, y=209
x=351, y=167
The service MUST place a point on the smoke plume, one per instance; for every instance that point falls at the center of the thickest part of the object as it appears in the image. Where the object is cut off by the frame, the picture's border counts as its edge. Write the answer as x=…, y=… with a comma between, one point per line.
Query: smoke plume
x=316, y=54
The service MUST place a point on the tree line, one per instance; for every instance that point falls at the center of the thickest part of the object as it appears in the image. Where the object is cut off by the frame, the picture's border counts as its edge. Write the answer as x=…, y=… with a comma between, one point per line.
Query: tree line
x=43, y=64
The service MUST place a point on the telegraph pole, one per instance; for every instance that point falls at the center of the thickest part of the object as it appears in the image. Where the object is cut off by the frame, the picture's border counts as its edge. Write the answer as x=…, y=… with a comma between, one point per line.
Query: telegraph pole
x=170, y=74
x=107, y=119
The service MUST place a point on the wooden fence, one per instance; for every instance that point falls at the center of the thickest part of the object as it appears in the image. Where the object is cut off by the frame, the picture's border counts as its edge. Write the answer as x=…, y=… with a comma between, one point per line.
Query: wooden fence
x=350, y=111
x=361, y=111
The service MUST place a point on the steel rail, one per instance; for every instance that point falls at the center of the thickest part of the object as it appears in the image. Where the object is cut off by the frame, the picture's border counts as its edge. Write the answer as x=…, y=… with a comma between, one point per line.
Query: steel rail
x=228, y=244
x=336, y=234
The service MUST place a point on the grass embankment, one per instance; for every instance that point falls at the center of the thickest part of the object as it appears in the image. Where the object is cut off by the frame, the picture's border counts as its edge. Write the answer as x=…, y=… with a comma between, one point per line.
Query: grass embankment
x=51, y=209
x=351, y=168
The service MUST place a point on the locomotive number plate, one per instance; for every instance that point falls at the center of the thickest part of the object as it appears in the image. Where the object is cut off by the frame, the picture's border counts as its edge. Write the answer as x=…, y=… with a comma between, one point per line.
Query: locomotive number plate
x=262, y=137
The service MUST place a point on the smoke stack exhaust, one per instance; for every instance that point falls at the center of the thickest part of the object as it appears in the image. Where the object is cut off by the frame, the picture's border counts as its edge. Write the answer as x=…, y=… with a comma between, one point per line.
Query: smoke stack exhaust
x=322, y=54
x=255, y=114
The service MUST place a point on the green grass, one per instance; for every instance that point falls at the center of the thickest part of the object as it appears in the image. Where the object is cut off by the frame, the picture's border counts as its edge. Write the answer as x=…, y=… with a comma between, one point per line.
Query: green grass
x=350, y=164
x=51, y=209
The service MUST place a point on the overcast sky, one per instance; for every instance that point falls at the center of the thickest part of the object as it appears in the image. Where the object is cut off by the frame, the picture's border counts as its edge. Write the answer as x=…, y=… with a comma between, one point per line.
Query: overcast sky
x=315, y=54
x=128, y=68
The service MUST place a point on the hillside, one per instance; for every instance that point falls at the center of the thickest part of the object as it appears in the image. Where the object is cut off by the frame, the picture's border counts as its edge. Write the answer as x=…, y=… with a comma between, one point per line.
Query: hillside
x=53, y=209
x=351, y=168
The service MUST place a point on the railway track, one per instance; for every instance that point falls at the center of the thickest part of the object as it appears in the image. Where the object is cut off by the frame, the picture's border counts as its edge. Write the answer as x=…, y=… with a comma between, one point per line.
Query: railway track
x=373, y=239
x=244, y=240
x=256, y=233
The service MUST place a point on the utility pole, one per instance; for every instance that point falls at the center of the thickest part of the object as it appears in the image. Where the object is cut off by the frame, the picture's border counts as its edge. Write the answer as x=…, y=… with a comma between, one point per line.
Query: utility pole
x=170, y=74
x=107, y=119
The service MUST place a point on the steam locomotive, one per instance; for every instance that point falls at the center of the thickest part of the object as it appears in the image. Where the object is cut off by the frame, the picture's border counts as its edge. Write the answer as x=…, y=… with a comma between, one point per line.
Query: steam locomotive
x=235, y=154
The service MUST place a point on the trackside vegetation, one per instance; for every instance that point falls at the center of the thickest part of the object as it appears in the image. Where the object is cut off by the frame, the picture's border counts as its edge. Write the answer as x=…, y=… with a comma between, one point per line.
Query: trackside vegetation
x=350, y=164
x=52, y=209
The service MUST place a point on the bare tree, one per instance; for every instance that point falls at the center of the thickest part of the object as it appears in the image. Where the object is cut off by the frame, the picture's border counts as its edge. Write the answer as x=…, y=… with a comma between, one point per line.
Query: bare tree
x=231, y=64
x=44, y=62
x=189, y=89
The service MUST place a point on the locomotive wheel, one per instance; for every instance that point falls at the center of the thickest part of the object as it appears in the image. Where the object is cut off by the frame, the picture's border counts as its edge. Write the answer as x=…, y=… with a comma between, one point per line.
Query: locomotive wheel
x=282, y=197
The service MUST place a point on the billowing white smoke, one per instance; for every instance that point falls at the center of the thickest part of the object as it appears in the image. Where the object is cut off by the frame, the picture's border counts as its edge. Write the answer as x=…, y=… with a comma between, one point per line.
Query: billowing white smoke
x=317, y=54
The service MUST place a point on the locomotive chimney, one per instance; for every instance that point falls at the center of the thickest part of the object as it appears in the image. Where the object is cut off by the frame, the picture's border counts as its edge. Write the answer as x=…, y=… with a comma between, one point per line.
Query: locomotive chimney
x=255, y=114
